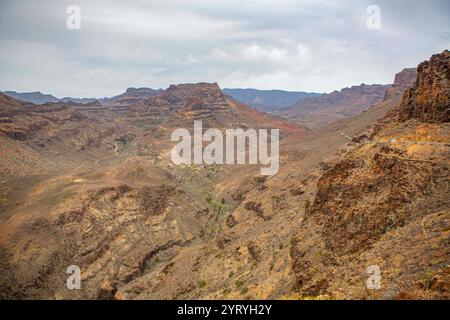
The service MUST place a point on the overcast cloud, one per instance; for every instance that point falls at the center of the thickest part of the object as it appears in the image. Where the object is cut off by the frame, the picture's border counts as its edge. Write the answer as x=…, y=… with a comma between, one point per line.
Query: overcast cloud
x=266, y=44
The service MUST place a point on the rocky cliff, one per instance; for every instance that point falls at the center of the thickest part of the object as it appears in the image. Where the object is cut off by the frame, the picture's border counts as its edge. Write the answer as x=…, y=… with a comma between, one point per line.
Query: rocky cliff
x=384, y=203
x=429, y=99
x=403, y=80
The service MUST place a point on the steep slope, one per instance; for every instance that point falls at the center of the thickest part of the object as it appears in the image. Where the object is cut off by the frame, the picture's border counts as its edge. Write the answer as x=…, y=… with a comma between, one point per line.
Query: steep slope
x=93, y=109
x=357, y=125
x=129, y=218
x=384, y=203
x=403, y=80
x=329, y=107
x=208, y=103
x=267, y=100
x=39, y=138
x=254, y=219
x=129, y=97
x=257, y=217
x=180, y=105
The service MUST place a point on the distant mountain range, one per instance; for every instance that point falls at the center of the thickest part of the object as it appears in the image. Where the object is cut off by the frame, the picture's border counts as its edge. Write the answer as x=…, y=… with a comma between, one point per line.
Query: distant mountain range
x=310, y=109
x=264, y=100
x=38, y=97
x=268, y=100
x=33, y=97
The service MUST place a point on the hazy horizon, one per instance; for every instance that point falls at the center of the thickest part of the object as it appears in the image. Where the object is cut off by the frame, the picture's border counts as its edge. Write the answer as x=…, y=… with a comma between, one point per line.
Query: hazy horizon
x=221, y=87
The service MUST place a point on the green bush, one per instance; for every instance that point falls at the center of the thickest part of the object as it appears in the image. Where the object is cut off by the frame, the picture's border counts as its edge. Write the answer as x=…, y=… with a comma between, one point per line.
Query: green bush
x=244, y=290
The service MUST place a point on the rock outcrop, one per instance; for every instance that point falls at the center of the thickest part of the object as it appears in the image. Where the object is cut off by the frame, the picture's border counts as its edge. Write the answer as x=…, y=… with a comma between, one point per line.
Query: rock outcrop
x=119, y=230
x=429, y=99
x=403, y=80
x=384, y=203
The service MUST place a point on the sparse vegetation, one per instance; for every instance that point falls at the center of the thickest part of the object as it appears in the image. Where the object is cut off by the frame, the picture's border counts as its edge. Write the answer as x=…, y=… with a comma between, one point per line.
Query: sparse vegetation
x=219, y=211
x=244, y=290
x=238, y=284
x=212, y=171
x=298, y=296
x=428, y=280
x=123, y=141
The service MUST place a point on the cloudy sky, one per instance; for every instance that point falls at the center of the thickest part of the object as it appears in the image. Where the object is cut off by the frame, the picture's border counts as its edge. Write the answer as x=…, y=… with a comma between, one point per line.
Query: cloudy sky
x=303, y=45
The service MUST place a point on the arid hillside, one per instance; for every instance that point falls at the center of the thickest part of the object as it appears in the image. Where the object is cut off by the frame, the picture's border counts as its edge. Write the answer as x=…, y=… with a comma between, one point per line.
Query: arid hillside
x=93, y=185
x=37, y=139
x=385, y=203
x=329, y=107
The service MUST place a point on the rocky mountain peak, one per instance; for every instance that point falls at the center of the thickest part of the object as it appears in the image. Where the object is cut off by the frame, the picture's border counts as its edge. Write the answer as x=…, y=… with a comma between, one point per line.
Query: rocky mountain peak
x=144, y=92
x=194, y=89
x=429, y=99
x=403, y=80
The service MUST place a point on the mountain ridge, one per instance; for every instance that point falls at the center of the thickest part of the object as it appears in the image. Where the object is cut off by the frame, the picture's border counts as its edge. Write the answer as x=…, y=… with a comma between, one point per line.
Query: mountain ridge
x=329, y=107
x=265, y=100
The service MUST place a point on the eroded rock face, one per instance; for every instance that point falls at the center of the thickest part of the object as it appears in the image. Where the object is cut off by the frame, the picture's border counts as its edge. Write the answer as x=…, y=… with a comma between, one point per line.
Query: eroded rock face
x=364, y=202
x=429, y=99
x=33, y=136
x=361, y=198
x=113, y=234
x=385, y=203
x=22, y=121
x=403, y=80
